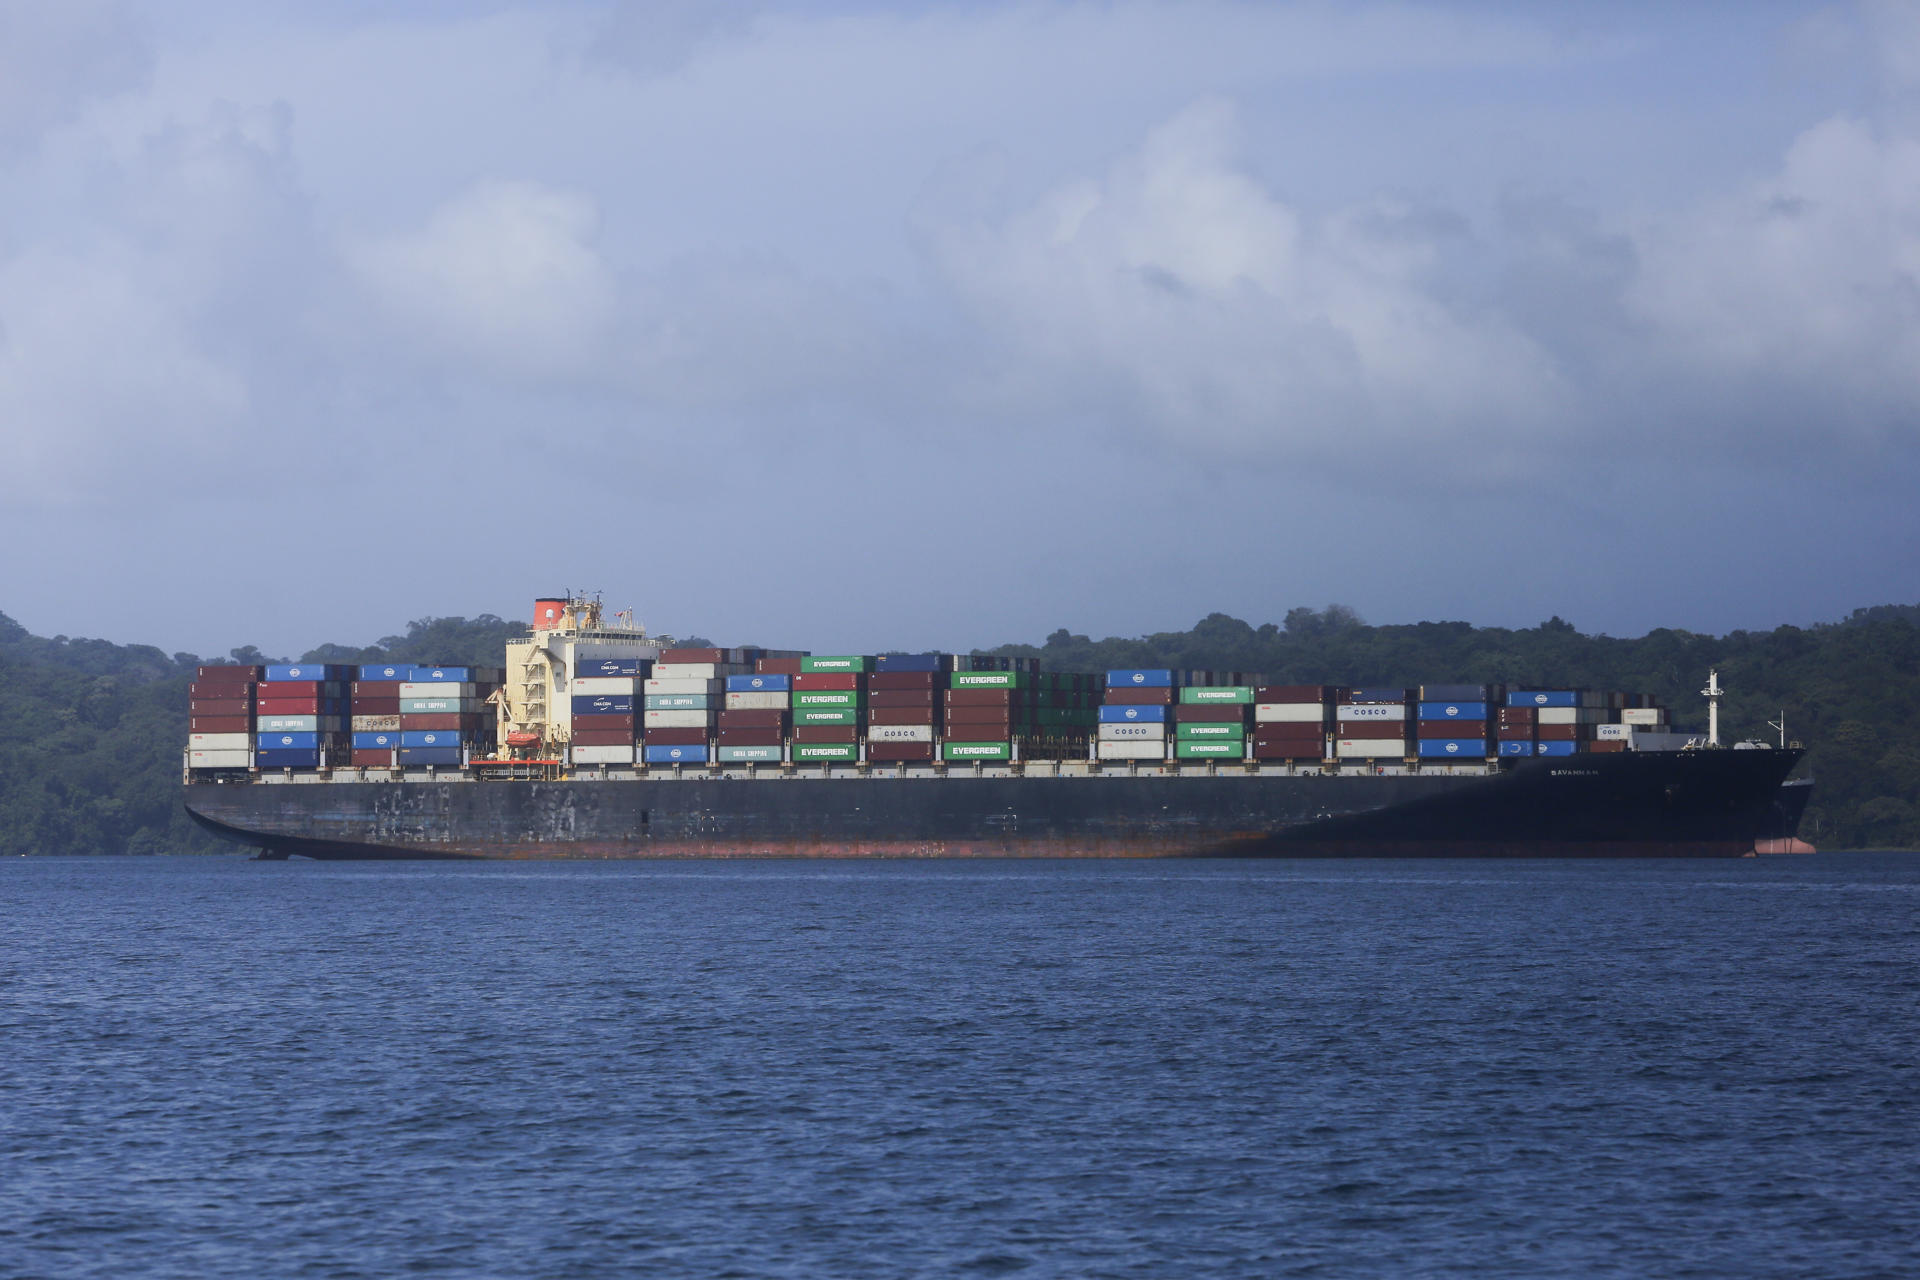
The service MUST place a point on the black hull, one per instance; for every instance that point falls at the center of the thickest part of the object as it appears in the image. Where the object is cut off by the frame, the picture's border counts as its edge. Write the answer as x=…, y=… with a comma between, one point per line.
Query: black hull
x=1677, y=804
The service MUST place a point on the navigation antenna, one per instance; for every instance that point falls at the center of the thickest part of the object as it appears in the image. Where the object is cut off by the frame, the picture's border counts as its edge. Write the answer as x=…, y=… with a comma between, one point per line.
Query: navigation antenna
x=1712, y=694
x=1781, y=725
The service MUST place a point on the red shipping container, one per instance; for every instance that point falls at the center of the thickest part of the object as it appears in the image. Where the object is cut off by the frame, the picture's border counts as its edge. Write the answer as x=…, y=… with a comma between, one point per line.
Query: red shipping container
x=223, y=673
x=1218, y=713
x=1611, y=745
x=675, y=737
x=376, y=688
x=220, y=707
x=1295, y=693
x=1515, y=733
x=1516, y=715
x=882, y=751
x=819, y=681
x=442, y=722
x=375, y=706
x=220, y=724
x=984, y=715
x=372, y=757
x=691, y=655
x=602, y=722
x=826, y=733
x=1287, y=732
x=752, y=718
x=214, y=689
x=1371, y=730
x=1002, y=698
x=900, y=698
x=602, y=737
x=1139, y=697
x=750, y=737
x=903, y=681
x=1559, y=732
x=1286, y=751
x=777, y=666
x=293, y=688
x=902, y=715
x=290, y=706
x=1454, y=729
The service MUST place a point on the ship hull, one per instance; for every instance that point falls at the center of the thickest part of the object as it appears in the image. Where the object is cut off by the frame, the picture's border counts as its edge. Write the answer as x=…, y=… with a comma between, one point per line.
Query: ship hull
x=1678, y=804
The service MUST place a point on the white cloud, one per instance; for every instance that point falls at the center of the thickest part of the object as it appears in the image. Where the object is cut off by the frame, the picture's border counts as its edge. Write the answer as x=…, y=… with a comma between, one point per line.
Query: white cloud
x=57, y=57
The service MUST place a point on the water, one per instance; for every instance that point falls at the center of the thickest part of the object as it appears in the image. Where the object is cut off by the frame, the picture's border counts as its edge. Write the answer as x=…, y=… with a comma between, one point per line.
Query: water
x=212, y=1068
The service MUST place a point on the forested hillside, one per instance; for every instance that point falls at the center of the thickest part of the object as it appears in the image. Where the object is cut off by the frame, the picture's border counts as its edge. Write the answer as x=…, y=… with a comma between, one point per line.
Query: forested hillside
x=90, y=756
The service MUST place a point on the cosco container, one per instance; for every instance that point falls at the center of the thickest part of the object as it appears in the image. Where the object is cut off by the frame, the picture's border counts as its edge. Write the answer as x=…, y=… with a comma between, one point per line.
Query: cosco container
x=370, y=741
x=1453, y=711
x=305, y=671
x=757, y=701
x=1516, y=747
x=289, y=741
x=1543, y=698
x=1453, y=748
x=1613, y=732
x=429, y=738
x=453, y=675
x=1556, y=748
x=1132, y=732
x=675, y=754
x=1375, y=711
x=1139, y=678
x=1132, y=714
x=377, y=672
x=759, y=684
x=900, y=733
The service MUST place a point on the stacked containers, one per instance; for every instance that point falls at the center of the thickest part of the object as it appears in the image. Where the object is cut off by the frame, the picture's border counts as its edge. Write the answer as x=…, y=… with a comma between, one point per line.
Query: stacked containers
x=1210, y=720
x=989, y=704
x=1136, y=710
x=829, y=697
x=1290, y=721
x=603, y=702
x=904, y=705
x=443, y=713
x=1454, y=721
x=1561, y=719
x=300, y=714
x=375, y=710
x=1372, y=724
x=220, y=706
x=1065, y=716
x=754, y=721
x=681, y=701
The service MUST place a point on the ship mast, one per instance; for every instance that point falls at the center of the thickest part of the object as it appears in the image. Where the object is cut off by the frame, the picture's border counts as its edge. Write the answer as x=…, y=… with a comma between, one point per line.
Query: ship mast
x=1712, y=694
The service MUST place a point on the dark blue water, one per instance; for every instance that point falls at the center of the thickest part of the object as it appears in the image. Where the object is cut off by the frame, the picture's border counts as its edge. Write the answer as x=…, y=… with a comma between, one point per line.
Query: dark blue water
x=214, y=1068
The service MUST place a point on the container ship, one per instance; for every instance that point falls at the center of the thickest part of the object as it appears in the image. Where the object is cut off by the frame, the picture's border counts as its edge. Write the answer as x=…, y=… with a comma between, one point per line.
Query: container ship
x=595, y=740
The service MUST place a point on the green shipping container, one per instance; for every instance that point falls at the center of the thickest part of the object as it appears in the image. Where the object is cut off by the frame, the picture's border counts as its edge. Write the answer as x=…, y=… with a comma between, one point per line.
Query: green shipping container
x=818, y=751
x=437, y=706
x=988, y=680
x=1217, y=693
x=1190, y=750
x=826, y=715
x=847, y=663
x=977, y=750
x=827, y=698
x=1217, y=732
x=749, y=755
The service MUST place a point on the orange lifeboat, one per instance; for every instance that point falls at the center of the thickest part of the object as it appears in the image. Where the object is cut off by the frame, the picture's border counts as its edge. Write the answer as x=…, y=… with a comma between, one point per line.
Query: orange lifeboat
x=522, y=738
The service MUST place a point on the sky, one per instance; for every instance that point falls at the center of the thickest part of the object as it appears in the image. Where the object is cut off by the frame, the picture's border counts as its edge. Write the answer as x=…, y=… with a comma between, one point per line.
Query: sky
x=853, y=326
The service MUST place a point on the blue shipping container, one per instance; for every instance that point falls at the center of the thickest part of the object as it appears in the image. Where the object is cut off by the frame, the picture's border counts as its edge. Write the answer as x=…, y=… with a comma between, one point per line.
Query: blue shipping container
x=384, y=673
x=1453, y=711
x=430, y=738
x=1130, y=714
x=307, y=671
x=291, y=741
x=1376, y=695
x=910, y=662
x=603, y=704
x=1139, y=679
x=591, y=668
x=287, y=758
x=1544, y=698
x=1453, y=693
x=457, y=675
x=1557, y=748
x=676, y=755
x=1463, y=748
x=1515, y=748
x=759, y=684
x=430, y=755
x=370, y=741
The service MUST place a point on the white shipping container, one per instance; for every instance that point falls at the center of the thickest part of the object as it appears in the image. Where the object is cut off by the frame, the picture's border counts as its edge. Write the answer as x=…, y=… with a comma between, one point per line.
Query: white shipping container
x=1156, y=750
x=219, y=741
x=758, y=701
x=1372, y=711
x=1289, y=713
x=1613, y=733
x=437, y=689
x=899, y=733
x=226, y=758
x=594, y=686
x=676, y=719
x=376, y=724
x=699, y=670
x=1557, y=715
x=1648, y=716
x=292, y=724
x=603, y=755
x=683, y=684
x=1368, y=748
x=1133, y=732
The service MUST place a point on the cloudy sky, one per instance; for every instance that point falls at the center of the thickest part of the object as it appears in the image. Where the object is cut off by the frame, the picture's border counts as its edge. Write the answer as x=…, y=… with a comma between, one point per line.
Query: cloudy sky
x=874, y=325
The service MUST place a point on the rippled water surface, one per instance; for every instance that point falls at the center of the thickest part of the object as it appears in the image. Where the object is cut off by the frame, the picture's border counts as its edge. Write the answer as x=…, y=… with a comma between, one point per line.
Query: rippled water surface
x=220, y=1068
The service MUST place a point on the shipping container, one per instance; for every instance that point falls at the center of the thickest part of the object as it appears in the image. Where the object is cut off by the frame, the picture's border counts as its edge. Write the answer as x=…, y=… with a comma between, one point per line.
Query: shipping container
x=1556, y=748
x=1613, y=745
x=899, y=751
x=221, y=707
x=1131, y=732
x=1187, y=713
x=224, y=673
x=220, y=724
x=903, y=681
x=1374, y=730
x=287, y=758
x=890, y=663
x=827, y=698
x=1369, y=748
x=1127, y=714
x=1649, y=717
x=657, y=685
x=599, y=704
x=1558, y=733
x=971, y=751
x=758, y=753
x=1376, y=695
x=437, y=756
x=817, y=733
x=1443, y=729
x=682, y=701
x=1156, y=749
x=616, y=720
x=1514, y=733
x=902, y=715
x=923, y=698
x=1151, y=696
x=1137, y=678
x=588, y=665
x=602, y=737
x=209, y=689
x=1214, y=732
x=1612, y=732
x=676, y=657
x=219, y=741
x=289, y=741
x=1516, y=747
x=825, y=752
x=751, y=737
x=718, y=671
x=1289, y=713
x=1302, y=750
x=657, y=753
x=1189, y=750
x=1289, y=732
x=1370, y=711
x=669, y=737
x=374, y=706
x=305, y=671
x=620, y=686
x=825, y=715
x=676, y=719
x=1543, y=698
x=446, y=689
x=1462, y=710
x=466, y=723
x=1217, y=693
x=612, y=753
x=989, y=680
x=1453, y=748
x=445, y=706
x=758, y=701
x=429, y=738
x=752, y=719
x=371, y=758
x=374, y=724
x=1294, y=693
x=848, y=664
x=1453, y=693
x=375, y=688
x=900, y=733
x=375, y=741
x=778, y=666
x=751, y=683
